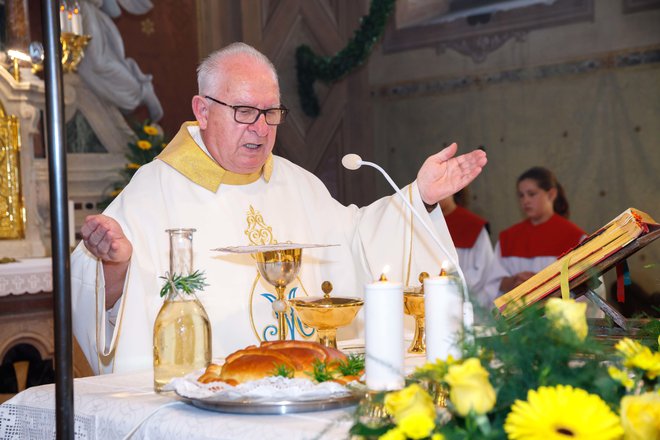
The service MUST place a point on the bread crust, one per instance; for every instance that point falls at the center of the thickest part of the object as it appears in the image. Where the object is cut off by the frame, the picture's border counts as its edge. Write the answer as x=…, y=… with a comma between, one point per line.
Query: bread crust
x=253, y=363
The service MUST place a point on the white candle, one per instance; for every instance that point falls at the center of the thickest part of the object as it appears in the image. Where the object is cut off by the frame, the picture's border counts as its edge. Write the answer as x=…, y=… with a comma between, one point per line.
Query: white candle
x=384, y=335
x=72, y=225
x=64, y=21
x=76, y=22
x=443, y=305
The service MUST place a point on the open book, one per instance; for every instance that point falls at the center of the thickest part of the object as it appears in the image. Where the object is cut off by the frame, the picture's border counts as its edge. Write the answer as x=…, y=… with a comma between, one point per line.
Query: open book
x=576, y=262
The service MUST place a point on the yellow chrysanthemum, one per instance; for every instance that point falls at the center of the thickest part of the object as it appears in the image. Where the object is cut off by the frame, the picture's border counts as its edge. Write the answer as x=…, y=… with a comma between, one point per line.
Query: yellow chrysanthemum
x=562, y=412
x=469, y=388
x=393, y=434
x=568, y=313
x=144, y=145
x=647, y=361
x=640, y=416
x=437, y=436
x=133, y=166
x=150, y=130
x=621, y=376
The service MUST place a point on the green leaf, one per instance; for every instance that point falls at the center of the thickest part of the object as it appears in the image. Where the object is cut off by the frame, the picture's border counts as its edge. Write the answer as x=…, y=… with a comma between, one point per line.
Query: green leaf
x=196, y=281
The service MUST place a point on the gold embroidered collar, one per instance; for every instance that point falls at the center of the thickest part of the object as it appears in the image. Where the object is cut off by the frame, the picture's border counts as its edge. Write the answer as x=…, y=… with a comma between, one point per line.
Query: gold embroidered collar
x=184, y=155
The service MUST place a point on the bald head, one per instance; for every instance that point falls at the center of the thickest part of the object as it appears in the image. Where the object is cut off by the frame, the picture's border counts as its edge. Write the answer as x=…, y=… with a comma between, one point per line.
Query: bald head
x=212, y=71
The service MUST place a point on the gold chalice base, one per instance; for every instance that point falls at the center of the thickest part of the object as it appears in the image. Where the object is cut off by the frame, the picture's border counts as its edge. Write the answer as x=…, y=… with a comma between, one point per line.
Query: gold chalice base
x=326, y=314
x=413, y=304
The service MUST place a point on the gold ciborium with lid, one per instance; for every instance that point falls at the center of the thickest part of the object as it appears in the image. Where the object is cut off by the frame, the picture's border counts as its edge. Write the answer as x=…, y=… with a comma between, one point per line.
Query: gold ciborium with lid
x=327, y=313
x=413, y=305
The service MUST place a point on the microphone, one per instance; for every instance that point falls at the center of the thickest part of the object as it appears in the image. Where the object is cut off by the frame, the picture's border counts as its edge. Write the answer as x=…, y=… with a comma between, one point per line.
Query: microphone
x=353, y=162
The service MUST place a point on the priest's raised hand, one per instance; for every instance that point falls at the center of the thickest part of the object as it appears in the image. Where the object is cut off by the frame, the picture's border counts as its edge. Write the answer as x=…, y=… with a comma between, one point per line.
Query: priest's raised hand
x=442, y=174
x=105, y=239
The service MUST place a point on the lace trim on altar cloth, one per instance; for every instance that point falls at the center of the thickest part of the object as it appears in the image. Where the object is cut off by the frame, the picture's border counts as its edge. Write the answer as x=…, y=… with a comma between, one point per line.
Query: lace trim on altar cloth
x=31, y=275
x=267, y=389
x=27, y=423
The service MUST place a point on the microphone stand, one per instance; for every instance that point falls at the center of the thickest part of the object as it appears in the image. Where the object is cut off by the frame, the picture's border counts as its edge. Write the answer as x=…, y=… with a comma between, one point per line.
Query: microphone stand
x=468, y=310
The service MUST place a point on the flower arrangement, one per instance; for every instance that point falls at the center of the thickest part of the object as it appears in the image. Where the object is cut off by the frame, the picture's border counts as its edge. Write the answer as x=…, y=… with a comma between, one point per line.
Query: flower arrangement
x=147, y=144
x=541, y=377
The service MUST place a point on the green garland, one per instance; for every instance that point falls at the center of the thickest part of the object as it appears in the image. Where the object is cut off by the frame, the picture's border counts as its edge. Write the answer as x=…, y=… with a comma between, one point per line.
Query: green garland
x=310, y=67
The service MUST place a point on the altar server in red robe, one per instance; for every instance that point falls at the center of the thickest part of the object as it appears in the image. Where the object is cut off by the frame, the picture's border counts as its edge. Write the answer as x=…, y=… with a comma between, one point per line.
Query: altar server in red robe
x=546, y=233
x=472, y=241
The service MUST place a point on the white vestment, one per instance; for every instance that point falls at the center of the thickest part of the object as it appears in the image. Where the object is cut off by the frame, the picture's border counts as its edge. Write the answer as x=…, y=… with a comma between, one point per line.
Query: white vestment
x=291, y=205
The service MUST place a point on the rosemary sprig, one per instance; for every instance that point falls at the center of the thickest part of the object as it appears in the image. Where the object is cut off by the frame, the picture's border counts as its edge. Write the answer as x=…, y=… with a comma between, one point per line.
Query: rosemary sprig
x=283, y=370
x=352, y=366
x=321, y=373
x=196, y=281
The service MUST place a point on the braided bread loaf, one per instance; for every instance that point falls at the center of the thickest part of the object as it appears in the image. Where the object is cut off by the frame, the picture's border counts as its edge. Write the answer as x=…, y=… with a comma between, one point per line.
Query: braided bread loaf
x=252, y=363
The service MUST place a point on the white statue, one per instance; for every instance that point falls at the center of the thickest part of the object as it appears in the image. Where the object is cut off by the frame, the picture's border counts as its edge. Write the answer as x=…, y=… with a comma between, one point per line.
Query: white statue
x=105, y=68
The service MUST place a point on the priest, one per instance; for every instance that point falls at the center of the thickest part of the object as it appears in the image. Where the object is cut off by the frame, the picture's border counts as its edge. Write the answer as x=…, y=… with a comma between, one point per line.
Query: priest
x=218, y=175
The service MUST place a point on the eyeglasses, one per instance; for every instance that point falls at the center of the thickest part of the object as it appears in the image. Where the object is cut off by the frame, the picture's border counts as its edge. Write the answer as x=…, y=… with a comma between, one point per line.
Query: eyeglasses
x=244, y=114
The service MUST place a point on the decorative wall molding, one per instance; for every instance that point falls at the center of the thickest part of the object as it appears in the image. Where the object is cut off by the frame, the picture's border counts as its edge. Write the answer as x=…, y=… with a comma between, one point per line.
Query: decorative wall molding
x=648, y=56
x=477, y=36
x=478, y=47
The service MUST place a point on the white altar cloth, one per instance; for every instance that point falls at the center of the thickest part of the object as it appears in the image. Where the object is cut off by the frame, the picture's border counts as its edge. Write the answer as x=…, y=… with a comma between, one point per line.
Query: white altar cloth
x=110, y=406
x=29, y=275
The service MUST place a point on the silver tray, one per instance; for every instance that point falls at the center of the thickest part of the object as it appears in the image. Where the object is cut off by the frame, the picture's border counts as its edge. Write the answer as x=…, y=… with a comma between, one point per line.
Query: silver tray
x=282, y=406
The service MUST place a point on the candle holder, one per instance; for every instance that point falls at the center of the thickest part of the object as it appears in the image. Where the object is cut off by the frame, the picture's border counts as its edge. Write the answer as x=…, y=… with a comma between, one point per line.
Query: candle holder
x=279, y=268
x=73, y=49
x=326, y=313
x=413, y=305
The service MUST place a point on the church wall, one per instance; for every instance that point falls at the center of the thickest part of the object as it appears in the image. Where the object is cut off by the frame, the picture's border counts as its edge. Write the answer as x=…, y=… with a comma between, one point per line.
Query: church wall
x=582, y=99
x=164, y=43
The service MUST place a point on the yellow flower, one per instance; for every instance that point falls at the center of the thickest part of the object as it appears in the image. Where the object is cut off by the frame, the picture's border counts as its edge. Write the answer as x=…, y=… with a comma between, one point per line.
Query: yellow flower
x=133, y=166
x=150, y=130
x=647, y=361
x=436, y=370
x=640, y=417
x=413, y=411
x=417, y=424
x=470, y=388
x=562, y=412
x=568, y=314
x=144, y=145
x=437, y=436
x=115, y=192
x=393, y=434
x=621, y=377
x=628, y=348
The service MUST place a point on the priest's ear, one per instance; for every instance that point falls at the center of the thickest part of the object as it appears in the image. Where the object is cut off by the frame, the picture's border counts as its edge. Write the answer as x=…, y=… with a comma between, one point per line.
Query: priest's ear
x=200, y=108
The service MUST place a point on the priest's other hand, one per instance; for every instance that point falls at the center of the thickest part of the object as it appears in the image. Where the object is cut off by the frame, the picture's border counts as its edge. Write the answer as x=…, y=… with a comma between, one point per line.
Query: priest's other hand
x=105, y=239
x=442, y=174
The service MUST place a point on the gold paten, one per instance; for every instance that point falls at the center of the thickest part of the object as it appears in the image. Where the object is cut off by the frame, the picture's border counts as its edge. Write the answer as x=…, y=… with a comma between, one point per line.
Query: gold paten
x=12, y=222
x=413, y=305
x=326, y=313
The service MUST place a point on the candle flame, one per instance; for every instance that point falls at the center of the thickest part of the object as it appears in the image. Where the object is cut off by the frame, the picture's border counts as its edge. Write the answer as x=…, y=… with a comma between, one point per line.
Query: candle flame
x=444, y=268
x=384, y=272
x=382, y=277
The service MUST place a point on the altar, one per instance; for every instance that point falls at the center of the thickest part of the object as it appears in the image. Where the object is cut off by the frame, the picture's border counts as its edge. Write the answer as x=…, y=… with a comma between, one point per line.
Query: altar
x=111, y=406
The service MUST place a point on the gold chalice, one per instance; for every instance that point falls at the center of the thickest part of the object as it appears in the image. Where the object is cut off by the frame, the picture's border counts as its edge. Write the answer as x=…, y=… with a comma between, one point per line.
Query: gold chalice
x=413, y=304
x=279, y=268
x=327, y=313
